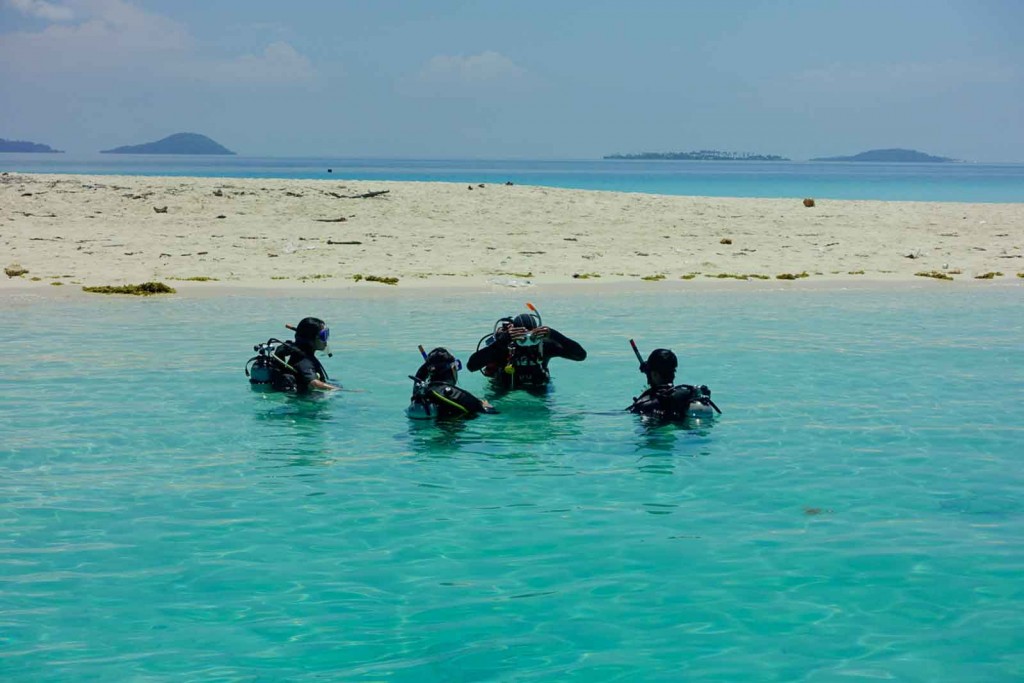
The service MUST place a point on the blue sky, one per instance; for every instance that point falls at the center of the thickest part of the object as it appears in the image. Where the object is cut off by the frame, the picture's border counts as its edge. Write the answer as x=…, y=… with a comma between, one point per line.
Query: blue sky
x=523, y=79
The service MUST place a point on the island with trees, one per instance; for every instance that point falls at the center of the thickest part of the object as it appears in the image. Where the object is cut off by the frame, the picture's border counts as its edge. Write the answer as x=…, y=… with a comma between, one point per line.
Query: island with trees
x=179, y=143
x=25, y=146
x=700, y=155
x=889, y=155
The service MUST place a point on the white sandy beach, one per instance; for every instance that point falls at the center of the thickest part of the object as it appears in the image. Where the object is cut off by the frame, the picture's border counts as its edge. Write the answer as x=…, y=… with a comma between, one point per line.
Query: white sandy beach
x=98, y=230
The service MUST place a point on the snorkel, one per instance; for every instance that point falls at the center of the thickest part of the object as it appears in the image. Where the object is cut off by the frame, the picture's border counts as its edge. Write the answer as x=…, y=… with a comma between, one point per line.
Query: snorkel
x=432, y=368
x=703, y=393
x=323, y=335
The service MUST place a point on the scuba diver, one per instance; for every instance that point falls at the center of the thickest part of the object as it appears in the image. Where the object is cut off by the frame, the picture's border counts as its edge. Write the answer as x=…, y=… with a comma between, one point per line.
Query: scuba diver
x=664, y=401
x=516, y=354
x=434, y=393
x=292, y=366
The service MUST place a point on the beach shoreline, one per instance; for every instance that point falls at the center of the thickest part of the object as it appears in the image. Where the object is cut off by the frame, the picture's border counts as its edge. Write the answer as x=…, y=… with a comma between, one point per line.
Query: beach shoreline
x=208, y=236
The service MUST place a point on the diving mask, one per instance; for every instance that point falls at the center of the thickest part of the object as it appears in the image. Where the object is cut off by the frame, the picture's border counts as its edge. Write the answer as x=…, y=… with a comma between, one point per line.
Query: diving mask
x=529, y=339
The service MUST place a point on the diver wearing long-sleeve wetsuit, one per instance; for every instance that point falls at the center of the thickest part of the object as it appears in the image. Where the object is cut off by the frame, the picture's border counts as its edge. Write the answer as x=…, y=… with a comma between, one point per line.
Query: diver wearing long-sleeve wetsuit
x=434, y=393
x=664, y=400
x=517, y=354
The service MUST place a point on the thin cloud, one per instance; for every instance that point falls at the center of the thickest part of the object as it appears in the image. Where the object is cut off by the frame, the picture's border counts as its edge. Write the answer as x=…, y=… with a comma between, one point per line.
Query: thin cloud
x=482, y=69
x=115, y=36
x=279, y=64
x=43, y=10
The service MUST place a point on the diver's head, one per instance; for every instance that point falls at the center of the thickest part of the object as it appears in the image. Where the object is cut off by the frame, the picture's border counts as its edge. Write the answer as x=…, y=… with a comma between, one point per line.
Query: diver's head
x=660, y=367
x=313, y=332
x=440, y=366
x=527, y=320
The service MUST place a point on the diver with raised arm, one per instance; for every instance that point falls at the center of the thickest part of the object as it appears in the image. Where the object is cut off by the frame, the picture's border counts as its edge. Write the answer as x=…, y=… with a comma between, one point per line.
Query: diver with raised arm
x=516, y=354
x=663, y=400
x=292, y=366
x=435, y=394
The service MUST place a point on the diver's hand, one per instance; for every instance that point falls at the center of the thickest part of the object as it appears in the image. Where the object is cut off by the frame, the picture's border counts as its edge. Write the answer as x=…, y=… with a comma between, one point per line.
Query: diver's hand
x=517, y=333
x=542, y=332
x=488, y=408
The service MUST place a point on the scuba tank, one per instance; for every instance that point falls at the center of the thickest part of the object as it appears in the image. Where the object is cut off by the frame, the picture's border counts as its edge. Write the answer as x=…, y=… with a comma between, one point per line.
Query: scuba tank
x=262, y=370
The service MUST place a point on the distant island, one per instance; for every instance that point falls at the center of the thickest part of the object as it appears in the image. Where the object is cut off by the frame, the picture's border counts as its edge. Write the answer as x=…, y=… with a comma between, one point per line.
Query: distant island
x=702, y=155
x=901, y=155
x=25, y=146
x=179, y=143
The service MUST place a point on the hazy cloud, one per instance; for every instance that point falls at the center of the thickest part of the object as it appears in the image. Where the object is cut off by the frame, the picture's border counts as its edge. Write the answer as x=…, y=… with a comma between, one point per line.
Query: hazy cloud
x=279, y=64
x=43, y=10
x=485, y=68
x=109, y=36
x=907, y=77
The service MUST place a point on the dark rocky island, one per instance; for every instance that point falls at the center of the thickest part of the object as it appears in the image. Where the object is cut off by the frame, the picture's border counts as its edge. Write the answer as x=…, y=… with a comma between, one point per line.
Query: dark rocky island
x=24, y=146
x=702, y=155
x=179, y=143
x=900, y=155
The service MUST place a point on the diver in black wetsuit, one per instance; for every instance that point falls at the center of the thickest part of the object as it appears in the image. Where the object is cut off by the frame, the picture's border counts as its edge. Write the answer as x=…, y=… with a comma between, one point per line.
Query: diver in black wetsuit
x=517, y=353
x=663, y=400
x=434, y=393
x=292, y=366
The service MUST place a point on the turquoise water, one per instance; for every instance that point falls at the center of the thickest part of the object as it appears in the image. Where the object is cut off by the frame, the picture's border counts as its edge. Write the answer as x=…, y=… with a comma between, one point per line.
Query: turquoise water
x=834, y=180
x=856, y=513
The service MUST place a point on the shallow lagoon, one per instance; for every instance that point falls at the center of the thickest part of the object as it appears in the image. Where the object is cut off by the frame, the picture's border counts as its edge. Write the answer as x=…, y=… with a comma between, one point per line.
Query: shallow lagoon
x=857, y=511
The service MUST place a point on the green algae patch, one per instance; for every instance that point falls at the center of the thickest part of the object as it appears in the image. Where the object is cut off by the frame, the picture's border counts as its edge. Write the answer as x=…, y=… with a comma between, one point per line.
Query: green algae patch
x=197, y=278
x=383, y=279
x=791, y=276
x=585, y=276
x=653, y=278
x=934, y=274
x=988, y=276
x=688, y=276
x=145, y=289
x=15, y=270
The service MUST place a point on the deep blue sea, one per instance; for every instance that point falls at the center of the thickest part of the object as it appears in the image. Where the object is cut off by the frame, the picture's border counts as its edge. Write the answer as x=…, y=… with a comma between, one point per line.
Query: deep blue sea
x=856, y=513
x=960, y=182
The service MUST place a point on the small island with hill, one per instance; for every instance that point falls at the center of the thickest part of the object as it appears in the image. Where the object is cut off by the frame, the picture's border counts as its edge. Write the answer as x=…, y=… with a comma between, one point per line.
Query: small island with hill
x=892, y=155
x=700, y=155
x=179, y=143
x=16, y=146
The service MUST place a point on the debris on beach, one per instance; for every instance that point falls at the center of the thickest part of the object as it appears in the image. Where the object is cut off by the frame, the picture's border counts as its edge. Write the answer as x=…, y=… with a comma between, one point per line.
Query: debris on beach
x=365, y=195
x=15, y=270
x=808, y=202
x=160, y=209
x=935, y=274
x=144, y=289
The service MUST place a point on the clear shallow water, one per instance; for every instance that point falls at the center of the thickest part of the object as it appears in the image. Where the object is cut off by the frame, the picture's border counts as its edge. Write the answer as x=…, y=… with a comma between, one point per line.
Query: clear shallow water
x=834, y=180
x=857, y=512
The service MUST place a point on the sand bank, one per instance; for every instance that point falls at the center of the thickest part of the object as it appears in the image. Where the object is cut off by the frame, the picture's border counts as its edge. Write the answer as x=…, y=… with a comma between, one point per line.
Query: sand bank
x=229, y=232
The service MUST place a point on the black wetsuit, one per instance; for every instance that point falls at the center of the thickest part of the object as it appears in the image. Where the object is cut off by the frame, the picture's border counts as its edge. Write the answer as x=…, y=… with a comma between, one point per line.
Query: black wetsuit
x=444, y=400
x=511, y=366
x=667, y=402
x=303, y=367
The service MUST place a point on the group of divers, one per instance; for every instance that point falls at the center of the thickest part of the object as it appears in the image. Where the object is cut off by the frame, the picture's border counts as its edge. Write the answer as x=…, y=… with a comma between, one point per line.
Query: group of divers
x=514, y=355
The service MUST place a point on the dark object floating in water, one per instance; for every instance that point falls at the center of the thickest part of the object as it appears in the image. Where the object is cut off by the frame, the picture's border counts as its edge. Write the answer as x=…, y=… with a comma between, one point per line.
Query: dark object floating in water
x=145, y=289
x=179, y=143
